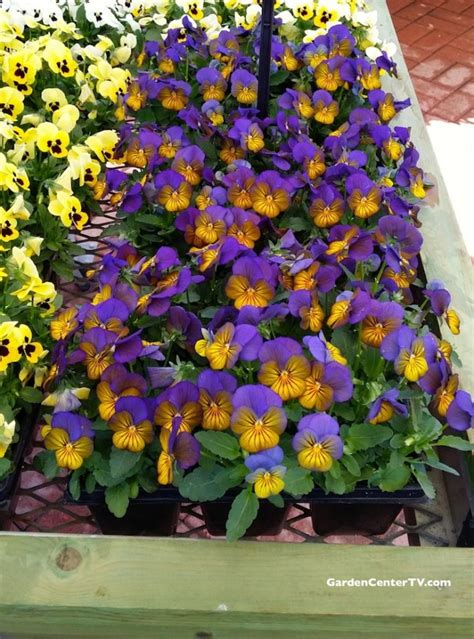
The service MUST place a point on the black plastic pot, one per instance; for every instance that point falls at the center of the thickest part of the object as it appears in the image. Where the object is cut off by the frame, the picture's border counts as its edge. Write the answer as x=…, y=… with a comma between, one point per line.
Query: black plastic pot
x=269, y=521
x=366, y=511
x=150, y=514
x=9, y=483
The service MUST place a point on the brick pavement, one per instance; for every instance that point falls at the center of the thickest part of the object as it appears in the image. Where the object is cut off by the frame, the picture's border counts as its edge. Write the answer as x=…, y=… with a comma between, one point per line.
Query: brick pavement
x=437, y=39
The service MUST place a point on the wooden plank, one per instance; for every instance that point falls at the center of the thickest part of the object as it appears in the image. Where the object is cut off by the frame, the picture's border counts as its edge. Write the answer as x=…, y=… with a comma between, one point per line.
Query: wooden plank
x=92, y=586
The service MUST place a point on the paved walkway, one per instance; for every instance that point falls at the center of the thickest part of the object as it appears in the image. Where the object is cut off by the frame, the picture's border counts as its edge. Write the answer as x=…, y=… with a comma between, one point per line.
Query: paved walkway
x=437, y=40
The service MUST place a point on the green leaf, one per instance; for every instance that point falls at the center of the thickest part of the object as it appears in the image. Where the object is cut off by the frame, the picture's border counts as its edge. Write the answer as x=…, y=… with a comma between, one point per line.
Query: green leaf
x=46, y=463
x=344, y=339
x=117, y=498
x=394, y=477
x=351, y=464
x=31, y=395
x=455, y=442
x=298, y=481
x=277, y=500
x=335, y=485
x=221, y=444
x=440, y=466
x=335, y=470
x=207, y=484
x=294, y=411
x=398, y=441
x=372, y=362
x=90, y=484
x=279, y=77
x=122, y=462
x=345, y=411
x=75, y=484
x=243, y=511
x=424, y=481
x=364, y=436
x=5, y=465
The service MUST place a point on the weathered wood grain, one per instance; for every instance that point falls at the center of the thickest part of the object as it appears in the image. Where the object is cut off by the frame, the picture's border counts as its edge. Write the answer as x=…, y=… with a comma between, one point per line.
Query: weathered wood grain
x=91, y=586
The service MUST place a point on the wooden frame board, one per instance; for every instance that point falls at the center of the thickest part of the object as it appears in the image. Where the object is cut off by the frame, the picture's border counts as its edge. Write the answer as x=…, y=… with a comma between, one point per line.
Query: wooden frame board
x=71, y=586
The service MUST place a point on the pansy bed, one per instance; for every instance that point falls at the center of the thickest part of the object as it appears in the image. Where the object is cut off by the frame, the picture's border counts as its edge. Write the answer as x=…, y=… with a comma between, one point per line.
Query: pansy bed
x=261, y=326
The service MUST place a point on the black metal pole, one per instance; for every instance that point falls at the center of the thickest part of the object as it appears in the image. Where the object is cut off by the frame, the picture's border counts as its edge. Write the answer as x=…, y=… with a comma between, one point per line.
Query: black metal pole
x=265, y=58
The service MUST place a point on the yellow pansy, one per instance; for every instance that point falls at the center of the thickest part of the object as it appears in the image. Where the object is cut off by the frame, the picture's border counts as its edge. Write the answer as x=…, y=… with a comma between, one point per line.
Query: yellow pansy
x=83, y=167
x=11, y=102
x=59, y=58
x=7, y=431
x=103, y=144
x=52, y=140
x=10, y=340
x=33, y=351
x=68, y=208
x=54, y=99
x=20, y=68
x=66, y=117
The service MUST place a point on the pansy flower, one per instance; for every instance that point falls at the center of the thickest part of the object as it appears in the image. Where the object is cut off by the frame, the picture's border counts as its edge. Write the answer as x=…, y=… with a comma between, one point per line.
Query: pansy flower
x=180, y=400
x=189, y=162
x=349, y=243
x=364, y=197
x=100, y=348
x=177, y=446
x=70, y=437
x=305, y=306
x=460, y=414
x=251, y=283
x=398, y=239
x=117, y=382
x=440, y=299
x=284, y=367
x=385, y=105
x=211, y=84
x=326, y=109
x=328, y=75
x=442, y=386
x=311, y=157
x=109, y=315
x=239, y=184
x=171, y=141
x=173, y=191
x=411, y=355
x=173, y=94
x=258, y=417
x=244, y=227
x=324, y=351
x=216, y=390
x=270, y=194
x=228, y=344
x=131, y=425
x=317, y=277
x=33, y=351
x=385, y=407
x=326, y=383
x=10, y=342
x=248, y=134
x=244, y=86
x=317, y=442
x=64, y=324
x=382, y=319
x=327, y=207
x=298, y=101
x=350, y=307
x=267, y=472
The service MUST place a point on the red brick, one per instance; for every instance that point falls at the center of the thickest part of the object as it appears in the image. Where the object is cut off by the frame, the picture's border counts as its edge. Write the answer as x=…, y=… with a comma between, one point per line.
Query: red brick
x=412, y=33
x=435, y=3
x=431, y=68
x=444, y=25
x=426, y=102
x=431, y=89
x=457, y=6
x=465, y=41
x=415, y=11
x=455, y=76
x=434, y=40
x=412, y=52
x=454, y=108
x=449, y=16
x=469, y=12
x=468, y=88
x=458, y=55
x=397, y=5
x=400, y=22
